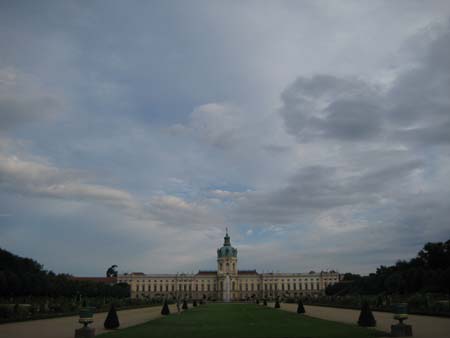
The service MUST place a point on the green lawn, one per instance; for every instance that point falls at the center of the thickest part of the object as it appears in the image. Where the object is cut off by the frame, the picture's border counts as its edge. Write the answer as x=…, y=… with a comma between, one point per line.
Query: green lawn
x=240, y=320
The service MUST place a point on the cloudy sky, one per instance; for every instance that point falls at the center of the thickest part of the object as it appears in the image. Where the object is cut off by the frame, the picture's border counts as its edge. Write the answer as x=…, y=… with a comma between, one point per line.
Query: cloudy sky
x=134, y=132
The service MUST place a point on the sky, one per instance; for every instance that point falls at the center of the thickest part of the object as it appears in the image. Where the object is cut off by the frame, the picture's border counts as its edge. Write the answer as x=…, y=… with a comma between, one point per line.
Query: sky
x=134, y=132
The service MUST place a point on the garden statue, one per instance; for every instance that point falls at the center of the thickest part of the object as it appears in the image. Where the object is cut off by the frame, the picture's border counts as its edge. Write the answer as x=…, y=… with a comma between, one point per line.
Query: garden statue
x=86, y=318
x=401, y=314
x=112, y=271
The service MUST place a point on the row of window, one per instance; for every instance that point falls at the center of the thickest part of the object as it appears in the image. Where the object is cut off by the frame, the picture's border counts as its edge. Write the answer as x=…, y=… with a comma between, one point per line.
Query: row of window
x=308, y=280
x=242, y=287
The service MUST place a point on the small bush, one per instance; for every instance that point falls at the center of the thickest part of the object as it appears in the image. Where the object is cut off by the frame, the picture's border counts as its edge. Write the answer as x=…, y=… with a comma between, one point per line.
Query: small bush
x=6, y=311
x=300, y=307
x=195, y=303
x=185, y=305
x=277, y=304
x=366, y=317
x=265, y=302
x=112, y=321
x=165, y=309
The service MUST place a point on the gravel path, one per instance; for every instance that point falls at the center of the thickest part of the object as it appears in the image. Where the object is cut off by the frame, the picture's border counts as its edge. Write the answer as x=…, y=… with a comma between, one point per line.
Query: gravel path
x=65, y=327
x=422, y=326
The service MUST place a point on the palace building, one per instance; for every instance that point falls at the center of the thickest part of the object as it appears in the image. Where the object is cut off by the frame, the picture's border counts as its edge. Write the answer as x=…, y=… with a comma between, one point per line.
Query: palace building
x=227, y=283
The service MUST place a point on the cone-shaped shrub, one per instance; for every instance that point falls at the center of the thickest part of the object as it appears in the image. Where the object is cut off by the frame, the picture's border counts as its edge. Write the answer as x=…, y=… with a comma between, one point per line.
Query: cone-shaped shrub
x=277, y=304
x=366, y=317
x=300, y=307
x=112, y=321
x=185, y=306
x=257, y=301
x=201, y=301
x=265, y=302
x=165, y=309
x=195, y=303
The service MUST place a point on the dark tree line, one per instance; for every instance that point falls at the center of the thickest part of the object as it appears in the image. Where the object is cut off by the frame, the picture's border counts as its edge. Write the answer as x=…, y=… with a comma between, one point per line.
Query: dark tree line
x=23, y=277
x=429, y=271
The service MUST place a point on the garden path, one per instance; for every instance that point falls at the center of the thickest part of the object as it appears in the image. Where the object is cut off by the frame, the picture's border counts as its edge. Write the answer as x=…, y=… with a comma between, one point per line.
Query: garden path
x=64, y=327
x=422, y=326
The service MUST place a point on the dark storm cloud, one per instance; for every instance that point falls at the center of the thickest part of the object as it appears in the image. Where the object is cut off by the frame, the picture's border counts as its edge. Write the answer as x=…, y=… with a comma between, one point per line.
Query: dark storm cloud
x=416, y=109
x=325, y=106
x=318, y=189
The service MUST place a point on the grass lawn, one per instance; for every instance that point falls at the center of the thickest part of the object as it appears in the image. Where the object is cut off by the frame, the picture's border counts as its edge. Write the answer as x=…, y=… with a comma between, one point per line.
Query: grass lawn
x=241, y=320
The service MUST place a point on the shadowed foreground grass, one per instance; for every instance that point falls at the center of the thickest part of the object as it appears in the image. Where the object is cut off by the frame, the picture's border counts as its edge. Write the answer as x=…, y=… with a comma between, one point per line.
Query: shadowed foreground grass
x=241, y=320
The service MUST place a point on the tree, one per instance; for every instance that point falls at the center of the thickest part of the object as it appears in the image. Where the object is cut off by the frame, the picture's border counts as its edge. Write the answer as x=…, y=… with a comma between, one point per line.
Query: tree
x=277, y=304
x=394, y=283
x=300, y=307
x=112, y=320
x=165, y=309
x=366, y=317
x=435, y=255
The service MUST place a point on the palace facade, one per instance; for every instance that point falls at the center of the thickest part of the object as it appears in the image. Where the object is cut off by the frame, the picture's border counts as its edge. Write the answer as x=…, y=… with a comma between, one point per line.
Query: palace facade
x=227, y=283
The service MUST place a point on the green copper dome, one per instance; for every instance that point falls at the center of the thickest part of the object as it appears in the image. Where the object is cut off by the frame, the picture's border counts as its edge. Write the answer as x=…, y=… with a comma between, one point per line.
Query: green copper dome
x=226, y=250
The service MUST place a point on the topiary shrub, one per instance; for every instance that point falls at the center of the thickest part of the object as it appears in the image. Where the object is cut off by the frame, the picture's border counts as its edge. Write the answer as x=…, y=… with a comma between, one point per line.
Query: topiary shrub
x=165, y=309
x=277, y=304
x=257, y=301
x=265, y=302
x=195, y=303
x=185, y=305
x=366, y=317
x=300, y=307
x=112, y=321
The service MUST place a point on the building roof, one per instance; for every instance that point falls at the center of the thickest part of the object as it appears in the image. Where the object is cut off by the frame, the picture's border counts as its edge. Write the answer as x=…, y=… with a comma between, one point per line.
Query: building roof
x=247, y=272
x=226, y=250
x=210, y=272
